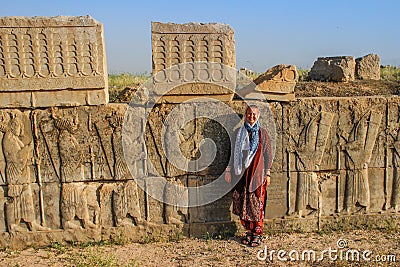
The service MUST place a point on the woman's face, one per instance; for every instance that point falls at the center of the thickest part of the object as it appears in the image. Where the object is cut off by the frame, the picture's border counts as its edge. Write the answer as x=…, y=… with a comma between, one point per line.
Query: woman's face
x=251, y=115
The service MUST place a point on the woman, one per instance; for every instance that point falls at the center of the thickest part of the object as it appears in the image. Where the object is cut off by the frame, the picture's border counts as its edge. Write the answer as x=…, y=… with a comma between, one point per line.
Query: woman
x=250, y=166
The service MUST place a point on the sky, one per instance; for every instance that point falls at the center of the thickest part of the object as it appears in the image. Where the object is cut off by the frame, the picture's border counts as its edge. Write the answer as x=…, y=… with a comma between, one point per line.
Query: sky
x=267, y=33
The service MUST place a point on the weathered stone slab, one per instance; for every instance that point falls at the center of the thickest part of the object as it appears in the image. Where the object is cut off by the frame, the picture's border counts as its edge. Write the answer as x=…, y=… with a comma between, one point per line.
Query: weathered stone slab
x=40, y=57
x=51, y=205
x=361, y=130
x=278, y=79
x=271, y=97
x=377, y=188
x=368, y=67
x=85, y=144
x=178, y=43
x=218, y=211
x=309, y=134
x=277, y=196
x=392, y=163
x=360, y=123
x=328, y=198
x=334, y=69
x=193, y=53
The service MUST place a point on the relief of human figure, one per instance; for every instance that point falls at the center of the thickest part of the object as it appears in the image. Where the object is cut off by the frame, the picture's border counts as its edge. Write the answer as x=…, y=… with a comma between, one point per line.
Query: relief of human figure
x=126, y=204
x=395, y=200
x=126, y=196
x=71, y=153
x=18, y=155
x=176, y=200
x=358, y=151
x=137, y=153
x=76, y=199
x=309, y=151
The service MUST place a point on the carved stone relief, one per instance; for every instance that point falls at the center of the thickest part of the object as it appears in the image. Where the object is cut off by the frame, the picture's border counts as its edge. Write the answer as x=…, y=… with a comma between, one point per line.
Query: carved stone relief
x=392, y=164
x=309, y=134
x=57, y=53
x=18, y=174
x=358, y=132
x=79, y=206
x=186, y=54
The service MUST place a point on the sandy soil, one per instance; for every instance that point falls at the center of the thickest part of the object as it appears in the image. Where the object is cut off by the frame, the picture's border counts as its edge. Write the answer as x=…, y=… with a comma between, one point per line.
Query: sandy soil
x=384, y=250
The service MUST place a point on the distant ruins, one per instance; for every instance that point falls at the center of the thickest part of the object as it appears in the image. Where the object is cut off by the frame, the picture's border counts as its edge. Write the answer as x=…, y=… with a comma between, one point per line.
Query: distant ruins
x=64, y=177
x=346, y=68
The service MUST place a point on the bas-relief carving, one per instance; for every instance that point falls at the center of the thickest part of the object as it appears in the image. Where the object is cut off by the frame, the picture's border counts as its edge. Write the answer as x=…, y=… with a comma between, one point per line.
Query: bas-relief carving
x=126, y=204
x=357, y=147
x=79, y=206
x=88, y=144
x=392, y=168
x=17, y=148
x=51, y=56
x=170, y=49
x=71, y=152
x=170, y=154
x=90, y=203
x=209, y=56
x=120, y=204
x=307, y=144
x=175, y=192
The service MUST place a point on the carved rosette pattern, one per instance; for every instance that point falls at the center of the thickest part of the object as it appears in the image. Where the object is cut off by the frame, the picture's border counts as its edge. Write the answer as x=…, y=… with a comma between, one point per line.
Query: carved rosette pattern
x=203, y=44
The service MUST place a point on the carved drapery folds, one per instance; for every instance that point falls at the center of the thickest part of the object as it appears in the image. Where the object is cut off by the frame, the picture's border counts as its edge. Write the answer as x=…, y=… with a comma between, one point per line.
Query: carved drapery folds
x=17, y=148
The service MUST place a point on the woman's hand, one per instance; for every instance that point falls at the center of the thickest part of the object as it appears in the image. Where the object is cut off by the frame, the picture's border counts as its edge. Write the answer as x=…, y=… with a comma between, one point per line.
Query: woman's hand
x=228, y=177
x=267, y=180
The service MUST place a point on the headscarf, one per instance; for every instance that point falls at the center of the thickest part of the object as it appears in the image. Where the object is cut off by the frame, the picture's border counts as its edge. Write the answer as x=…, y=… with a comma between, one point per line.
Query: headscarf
x=243, y=142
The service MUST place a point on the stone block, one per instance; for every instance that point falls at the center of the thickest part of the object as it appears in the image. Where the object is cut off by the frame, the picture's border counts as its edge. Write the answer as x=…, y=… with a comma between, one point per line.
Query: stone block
x=333, y=69
x=368, y=67
x=361, y=131
x=309, y=134
x=277, y=196
x=328, y=198
x=376, y=178
x=44, y=59
x=278, y=79
x=184, y=54
x=51, y=205
x=216, y=211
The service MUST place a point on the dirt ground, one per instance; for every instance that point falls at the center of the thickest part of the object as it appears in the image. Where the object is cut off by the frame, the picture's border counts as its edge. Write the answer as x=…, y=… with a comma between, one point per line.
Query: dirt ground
x=342, y=89
x=354, y=248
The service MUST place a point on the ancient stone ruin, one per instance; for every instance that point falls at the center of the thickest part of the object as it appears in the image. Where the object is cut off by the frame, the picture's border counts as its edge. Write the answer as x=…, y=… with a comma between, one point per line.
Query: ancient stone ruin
x=65, y=177
x=194, y=59
x=346, y=68
x=48, y=62
x=277, y=83
x=333, y=69
x=368, y=67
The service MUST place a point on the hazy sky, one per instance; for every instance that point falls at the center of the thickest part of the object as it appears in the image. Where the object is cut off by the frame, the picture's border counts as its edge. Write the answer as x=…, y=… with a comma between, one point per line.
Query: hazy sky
x=267, y=33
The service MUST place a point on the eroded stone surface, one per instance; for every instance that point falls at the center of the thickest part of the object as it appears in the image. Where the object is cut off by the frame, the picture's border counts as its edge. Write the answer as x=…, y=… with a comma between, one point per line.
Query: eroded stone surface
x=184, y=54
x=52, y=61
x=334, y=69
x=368, y=67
